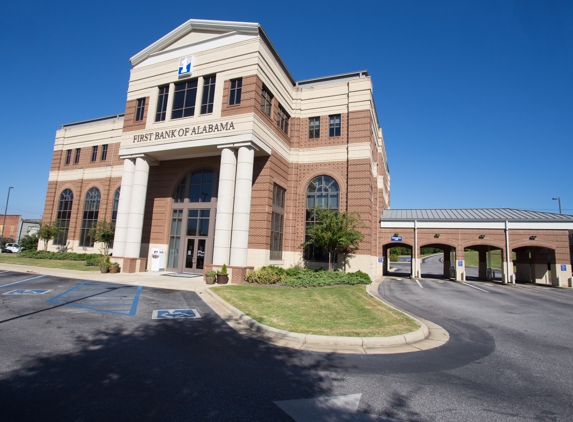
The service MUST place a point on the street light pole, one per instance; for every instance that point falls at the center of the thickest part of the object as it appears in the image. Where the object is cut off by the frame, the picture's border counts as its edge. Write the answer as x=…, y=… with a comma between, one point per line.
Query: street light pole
x=6, y=210
x=558, y=199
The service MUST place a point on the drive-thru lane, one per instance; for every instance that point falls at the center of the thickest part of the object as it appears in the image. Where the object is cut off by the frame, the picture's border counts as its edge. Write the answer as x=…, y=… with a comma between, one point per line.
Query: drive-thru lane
x=508, y=359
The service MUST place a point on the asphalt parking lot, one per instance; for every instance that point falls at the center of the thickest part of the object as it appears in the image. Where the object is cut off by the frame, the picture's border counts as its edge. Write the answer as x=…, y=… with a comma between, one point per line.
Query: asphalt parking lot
x=90, y=351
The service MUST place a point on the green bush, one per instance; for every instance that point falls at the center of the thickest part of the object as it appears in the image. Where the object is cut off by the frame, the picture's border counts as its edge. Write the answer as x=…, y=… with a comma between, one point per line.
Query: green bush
x=93, y=261
x=29, y=242
x=266, y=275
x=394, y=257
x=309, y=278
x=251, y=276
x=363, y=276
x=59, y=256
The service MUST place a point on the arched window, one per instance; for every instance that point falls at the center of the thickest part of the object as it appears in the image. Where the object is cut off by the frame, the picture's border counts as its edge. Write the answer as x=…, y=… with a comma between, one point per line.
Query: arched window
x=115, y=206
x=90, y=216
x=323, y=192
x=196, y=186
x=64, y=215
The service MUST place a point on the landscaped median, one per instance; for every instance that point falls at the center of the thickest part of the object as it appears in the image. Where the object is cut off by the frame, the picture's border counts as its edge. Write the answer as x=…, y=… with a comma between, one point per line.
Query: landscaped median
x=336, y=318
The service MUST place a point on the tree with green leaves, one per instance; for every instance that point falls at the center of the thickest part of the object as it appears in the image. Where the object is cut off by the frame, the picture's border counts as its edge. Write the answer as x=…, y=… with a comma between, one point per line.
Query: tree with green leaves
x=47, y=232
x=337, y=232
x=29, y=242
x=103, y=232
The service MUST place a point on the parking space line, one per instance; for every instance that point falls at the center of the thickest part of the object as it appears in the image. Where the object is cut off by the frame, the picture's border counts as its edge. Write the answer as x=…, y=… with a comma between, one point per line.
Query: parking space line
x=474, y=287
x=23, y=281
x=101, y=297
x=419, y=284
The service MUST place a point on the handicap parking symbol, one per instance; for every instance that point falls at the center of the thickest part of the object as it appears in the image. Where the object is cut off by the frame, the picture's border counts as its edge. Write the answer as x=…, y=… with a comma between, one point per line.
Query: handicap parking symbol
x=175, y=313
x=27, y=292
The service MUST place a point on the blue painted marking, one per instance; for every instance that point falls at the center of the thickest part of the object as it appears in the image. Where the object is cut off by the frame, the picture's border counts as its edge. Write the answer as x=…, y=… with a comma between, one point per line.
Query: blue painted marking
x=23, y=281
x=101, y=297
x=175, y=313
x=27, y=292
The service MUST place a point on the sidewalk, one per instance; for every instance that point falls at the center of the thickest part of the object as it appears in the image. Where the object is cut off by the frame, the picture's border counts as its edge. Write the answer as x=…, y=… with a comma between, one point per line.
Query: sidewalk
x=428, y=336
x=146, y=279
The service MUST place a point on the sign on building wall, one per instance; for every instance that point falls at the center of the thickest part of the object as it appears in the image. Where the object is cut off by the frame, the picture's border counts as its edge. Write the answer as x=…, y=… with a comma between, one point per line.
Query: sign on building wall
x=185, y=65
x=396, y=238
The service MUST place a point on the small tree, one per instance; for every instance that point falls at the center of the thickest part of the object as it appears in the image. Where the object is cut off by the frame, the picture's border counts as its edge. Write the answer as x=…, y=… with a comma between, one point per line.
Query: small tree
x=103, y=232
x=47, y=232
x=29, y=242
x=337, y=232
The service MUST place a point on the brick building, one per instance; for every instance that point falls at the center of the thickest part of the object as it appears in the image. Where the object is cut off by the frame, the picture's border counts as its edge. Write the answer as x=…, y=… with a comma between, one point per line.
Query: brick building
x=11, y=227
x=218, y=156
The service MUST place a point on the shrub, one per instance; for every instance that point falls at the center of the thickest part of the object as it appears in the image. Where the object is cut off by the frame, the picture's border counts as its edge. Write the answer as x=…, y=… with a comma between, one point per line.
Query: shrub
x=266, y=275
x=251, y=276
x=93, y=261
x=309, y=278
x=29, y=242
x=394, y=257
x=363, y=276
x=60, y=256
x=294, y=270
x=298, y=277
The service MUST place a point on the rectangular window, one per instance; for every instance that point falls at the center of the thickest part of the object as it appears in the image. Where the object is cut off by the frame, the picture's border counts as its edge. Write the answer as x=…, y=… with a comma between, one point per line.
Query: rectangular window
x=235, y=93
x=266, y=101
x=283, y=119
x=94, y=153
x=314, y=127
x=174, y=238
x=162, y=103
x=68, y=156
x=334, y=127
x=277, y=222
x=208, y=94
x=184, y=100
x=140, y=109
x=104, y=152
x=77, y=157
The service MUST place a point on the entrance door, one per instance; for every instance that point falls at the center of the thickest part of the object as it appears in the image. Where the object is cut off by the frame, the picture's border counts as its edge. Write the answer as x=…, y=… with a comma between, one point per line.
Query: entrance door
x=197, y=240
x=195, y=257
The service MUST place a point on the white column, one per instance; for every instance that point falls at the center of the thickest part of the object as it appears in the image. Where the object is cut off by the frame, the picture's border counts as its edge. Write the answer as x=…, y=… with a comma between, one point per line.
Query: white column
x=225, y=199
x=123, y=208
x=137, y=208
x=242, y=209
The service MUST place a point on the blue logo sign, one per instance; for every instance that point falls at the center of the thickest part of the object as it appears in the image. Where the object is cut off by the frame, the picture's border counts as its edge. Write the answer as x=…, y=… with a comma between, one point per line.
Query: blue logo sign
x=396, y=238
x=27, y=292
x=380, y=259
x=185, y=65
x=175, y=313
x=460, y=263
x=563, y=267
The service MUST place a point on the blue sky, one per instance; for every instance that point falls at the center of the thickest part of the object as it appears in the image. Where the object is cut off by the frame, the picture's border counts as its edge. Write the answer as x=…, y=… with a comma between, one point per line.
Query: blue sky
x=475, y=98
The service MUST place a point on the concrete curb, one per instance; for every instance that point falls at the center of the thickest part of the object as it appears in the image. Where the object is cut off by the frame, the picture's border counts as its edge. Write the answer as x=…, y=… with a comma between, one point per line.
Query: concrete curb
x=361, y=345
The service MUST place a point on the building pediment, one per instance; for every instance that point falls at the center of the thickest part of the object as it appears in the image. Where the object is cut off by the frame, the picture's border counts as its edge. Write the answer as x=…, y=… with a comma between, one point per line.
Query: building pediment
x=192, y=32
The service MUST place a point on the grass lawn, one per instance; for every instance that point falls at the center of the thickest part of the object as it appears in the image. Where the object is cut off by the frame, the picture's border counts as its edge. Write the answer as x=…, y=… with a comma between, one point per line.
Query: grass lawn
x=9, y=258
x=471, y=258
x=331, y=311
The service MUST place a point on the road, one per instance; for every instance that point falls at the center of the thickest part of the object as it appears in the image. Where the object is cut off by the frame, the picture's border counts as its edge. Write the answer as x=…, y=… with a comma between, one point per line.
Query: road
x=432, y=267
x=87, y=351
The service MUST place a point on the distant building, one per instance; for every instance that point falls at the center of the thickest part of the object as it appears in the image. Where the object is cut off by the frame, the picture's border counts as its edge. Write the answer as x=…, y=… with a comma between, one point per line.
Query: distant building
x=28, y=227
x=12, y=226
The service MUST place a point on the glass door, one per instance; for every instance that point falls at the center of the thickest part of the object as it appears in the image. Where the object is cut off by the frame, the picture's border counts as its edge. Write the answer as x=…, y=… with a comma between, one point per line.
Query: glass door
x=197, y=240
